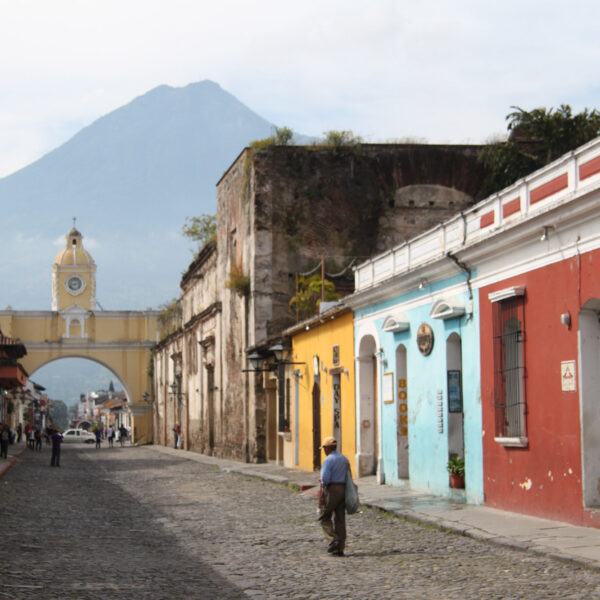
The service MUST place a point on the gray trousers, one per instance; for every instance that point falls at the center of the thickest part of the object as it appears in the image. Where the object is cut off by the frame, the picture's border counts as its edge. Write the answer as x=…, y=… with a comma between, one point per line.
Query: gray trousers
x=334, y=505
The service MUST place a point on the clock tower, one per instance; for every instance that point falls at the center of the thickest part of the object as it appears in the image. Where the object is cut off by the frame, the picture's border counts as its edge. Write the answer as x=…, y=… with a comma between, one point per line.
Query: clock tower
x=73, y=278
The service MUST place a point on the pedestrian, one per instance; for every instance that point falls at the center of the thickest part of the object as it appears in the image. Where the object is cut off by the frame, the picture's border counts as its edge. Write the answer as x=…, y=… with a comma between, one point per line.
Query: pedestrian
x=19, y=433
x=37, y=435
x=31, y=438
x=332, y=498
x=111, y=436
x=57, y=439
x=177, y=432
x=4, y=440
x=122, y=435
x=98, y=434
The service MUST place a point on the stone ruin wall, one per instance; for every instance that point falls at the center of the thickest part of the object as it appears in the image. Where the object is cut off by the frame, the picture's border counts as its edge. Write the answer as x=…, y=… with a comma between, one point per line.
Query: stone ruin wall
x=279, y=210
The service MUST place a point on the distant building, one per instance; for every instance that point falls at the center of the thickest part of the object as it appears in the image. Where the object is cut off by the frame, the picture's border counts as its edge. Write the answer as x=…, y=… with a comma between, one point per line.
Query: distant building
x=13, y=379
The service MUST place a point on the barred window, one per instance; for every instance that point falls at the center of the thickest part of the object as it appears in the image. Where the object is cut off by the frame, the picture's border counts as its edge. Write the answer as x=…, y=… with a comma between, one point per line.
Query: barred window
x=509, y=368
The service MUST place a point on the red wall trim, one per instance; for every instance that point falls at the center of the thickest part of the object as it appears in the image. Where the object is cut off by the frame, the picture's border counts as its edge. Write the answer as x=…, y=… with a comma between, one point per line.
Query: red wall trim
x=547, y=189
x=510, y=208
x=591, y=167
x=486, y=220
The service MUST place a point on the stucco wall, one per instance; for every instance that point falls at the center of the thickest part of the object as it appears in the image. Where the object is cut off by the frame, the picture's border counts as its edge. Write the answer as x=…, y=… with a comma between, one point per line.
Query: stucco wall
x=426, y=387
x=545, y=478
x=319, y=341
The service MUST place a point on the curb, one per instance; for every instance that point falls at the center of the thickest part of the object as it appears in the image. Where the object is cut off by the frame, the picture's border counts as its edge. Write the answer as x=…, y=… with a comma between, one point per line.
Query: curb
x=7, y=466
x=12, y=461
x=482, y=536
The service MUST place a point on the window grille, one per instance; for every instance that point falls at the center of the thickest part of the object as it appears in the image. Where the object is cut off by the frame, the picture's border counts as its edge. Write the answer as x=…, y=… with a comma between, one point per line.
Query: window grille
x=509, y=368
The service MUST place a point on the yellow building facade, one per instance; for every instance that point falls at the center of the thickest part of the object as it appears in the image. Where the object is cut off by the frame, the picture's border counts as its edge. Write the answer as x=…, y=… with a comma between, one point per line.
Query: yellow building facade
x=121, y=341
x=322, y=393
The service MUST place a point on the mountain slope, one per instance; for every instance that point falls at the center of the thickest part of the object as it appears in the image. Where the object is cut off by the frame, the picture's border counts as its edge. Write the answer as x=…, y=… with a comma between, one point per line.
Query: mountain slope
x=130, y=178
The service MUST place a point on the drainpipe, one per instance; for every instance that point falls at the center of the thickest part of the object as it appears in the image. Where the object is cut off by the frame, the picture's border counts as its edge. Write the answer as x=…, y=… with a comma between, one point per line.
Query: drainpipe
x=463, y=267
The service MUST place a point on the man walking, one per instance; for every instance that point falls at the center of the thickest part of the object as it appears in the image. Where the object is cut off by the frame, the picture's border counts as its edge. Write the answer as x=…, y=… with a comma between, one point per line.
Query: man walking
x=4, y=440
x=333, y=492
x=57, y=439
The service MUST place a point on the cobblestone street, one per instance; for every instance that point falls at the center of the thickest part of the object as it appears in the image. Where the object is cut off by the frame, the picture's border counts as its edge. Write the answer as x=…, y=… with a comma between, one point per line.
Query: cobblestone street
x=134, y=523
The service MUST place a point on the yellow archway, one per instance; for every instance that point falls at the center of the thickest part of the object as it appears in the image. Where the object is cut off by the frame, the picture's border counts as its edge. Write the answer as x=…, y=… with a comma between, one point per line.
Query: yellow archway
x=119, y=340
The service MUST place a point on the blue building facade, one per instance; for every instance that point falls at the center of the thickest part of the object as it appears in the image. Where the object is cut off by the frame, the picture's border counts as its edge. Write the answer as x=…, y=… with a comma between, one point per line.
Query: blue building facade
x=418, y=383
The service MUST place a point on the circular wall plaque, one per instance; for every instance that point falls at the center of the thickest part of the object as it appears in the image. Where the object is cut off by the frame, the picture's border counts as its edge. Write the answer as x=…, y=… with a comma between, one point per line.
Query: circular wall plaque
x=425, y=339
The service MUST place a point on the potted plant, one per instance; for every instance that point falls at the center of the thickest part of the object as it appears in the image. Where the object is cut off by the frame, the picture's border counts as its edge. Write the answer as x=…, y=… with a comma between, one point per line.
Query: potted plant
x=456, y=468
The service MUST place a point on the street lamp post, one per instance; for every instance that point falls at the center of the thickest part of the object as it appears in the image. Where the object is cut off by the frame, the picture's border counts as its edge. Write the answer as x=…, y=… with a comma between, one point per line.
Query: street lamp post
x=281, y=354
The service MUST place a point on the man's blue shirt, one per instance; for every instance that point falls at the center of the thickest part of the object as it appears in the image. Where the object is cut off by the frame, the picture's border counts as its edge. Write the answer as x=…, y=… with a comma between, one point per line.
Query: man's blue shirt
x=334, y=468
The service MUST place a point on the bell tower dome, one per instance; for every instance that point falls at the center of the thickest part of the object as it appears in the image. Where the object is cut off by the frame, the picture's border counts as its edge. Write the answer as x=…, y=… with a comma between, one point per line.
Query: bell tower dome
x=73, y=275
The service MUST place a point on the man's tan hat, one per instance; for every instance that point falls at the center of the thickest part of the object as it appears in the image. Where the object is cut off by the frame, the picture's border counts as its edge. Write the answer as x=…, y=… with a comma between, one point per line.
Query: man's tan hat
x=329, y=441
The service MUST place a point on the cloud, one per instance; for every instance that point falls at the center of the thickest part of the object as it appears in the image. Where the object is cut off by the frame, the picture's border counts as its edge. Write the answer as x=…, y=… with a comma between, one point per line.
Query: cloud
x=384, y=69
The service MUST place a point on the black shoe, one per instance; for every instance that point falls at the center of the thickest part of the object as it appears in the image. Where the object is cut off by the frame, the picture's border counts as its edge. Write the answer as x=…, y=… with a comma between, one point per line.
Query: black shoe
x=333, y=546
x=337, y=553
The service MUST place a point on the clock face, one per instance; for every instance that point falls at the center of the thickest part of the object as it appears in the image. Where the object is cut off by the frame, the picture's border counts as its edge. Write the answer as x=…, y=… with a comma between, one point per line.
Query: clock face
x=74, y=284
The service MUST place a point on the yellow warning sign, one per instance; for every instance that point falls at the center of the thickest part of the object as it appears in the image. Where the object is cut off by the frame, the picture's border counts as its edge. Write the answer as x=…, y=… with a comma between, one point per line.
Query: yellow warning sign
x=568, y=376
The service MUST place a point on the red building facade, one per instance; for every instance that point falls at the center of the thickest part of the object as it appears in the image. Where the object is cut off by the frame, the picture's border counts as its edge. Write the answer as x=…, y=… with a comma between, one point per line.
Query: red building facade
x=539, y=303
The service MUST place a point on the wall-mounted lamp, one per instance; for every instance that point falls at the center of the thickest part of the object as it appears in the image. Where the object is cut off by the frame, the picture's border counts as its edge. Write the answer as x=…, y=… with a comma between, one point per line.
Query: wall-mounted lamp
x=280, y=351
x=146, y=397
x=565, y=319
x=546, y=232
x=280, y=354
x=256, y=360
x=176, y=390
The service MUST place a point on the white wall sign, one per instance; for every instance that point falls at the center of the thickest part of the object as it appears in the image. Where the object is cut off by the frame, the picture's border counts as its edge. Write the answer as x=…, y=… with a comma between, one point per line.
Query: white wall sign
x=568, y=376
x=388, y=388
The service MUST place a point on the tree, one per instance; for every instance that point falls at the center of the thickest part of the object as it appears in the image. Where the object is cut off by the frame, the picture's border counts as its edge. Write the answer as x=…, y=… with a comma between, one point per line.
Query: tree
x=536, y=138
x=282, y=136
x=338, y=139
x=551, y=133
x=308, y=295
x=201, y=229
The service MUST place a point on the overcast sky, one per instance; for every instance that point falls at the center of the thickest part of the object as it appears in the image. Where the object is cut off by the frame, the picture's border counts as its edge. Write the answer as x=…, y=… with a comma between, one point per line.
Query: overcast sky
x=438, y=71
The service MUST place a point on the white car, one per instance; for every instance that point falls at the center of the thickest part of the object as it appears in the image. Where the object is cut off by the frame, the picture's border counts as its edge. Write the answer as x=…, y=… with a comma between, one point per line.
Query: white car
x=79, y=435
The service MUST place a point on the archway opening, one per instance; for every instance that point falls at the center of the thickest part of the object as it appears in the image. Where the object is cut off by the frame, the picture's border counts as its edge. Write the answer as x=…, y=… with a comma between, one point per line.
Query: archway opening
x=589, y=381
x=82, y=390
x=456, y=438
x=367, y=386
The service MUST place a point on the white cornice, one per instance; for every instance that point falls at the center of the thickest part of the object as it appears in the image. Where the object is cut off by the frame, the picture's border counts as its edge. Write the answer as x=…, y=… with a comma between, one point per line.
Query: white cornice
x=510, y=292
x=447, y=309
x=505, y=253
x=427, y=298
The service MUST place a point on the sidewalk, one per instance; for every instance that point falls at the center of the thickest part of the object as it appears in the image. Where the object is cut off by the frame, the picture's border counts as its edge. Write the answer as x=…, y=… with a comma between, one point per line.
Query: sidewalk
x=13, y=452
x=551, y=538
